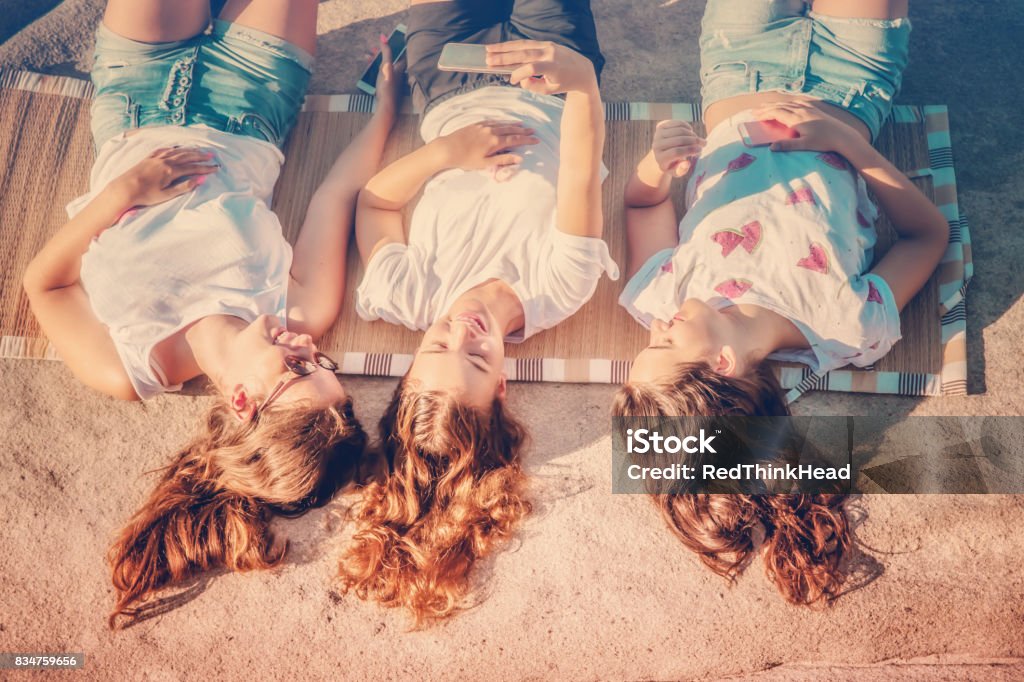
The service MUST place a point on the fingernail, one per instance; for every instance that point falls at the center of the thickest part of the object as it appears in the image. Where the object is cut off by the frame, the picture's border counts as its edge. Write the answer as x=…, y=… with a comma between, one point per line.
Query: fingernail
x=200, y=180
x=383, y=39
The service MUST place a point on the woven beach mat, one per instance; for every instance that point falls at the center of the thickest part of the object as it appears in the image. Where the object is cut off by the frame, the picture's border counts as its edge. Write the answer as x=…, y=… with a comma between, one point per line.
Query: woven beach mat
x=47, y=153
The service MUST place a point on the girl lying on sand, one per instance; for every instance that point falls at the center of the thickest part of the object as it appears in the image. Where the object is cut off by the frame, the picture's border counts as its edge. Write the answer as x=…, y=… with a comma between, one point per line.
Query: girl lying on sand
x=773, y=258
x=174, y=266
x=504, y=242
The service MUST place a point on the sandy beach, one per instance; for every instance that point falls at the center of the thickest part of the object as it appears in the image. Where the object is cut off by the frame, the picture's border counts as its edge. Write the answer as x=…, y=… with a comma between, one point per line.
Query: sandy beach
x=593, y=587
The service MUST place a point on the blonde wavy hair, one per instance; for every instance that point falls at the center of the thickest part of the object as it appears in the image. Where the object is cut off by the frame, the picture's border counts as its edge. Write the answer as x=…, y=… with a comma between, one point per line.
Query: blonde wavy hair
x=454, y=491
x=213, y=504
x=805, y=536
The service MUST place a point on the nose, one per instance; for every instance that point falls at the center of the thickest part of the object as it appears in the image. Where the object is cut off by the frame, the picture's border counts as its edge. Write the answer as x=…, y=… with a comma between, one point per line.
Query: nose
x=460, y=335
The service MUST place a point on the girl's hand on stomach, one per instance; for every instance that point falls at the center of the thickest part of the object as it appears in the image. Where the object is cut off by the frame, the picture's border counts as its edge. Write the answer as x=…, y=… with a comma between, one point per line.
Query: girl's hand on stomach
x=815, y=130
x=544, y=67
x=675, y=146
x=485, y=145
x=165, y=174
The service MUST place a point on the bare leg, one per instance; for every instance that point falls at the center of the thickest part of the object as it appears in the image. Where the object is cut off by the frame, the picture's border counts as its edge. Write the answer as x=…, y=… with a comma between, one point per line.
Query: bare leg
x=293, y=20
x=157, y=21
x=862, y=9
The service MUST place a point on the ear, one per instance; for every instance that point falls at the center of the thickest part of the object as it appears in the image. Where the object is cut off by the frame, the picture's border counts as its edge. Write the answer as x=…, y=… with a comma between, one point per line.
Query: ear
x=242, y=403
x=502, y=386
x=727, y=364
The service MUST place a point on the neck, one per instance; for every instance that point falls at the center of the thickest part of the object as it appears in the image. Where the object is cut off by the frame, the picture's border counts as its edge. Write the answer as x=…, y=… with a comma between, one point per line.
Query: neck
x=765, y=331
x=209, y=339
x=503, y=303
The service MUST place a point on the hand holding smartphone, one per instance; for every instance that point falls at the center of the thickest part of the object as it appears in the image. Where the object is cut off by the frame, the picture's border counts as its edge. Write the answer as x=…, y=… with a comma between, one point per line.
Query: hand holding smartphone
x=763, y=133
x=468, y=57
x=396, y=41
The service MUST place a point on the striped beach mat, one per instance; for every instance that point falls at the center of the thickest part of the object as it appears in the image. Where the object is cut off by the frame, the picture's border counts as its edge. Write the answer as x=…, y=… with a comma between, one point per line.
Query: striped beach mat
x=47, y=154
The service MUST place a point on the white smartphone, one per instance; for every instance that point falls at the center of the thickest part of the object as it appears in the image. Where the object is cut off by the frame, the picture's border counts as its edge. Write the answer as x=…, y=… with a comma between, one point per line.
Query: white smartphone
x=396, y=41
x=468, y=57
x=763, y=133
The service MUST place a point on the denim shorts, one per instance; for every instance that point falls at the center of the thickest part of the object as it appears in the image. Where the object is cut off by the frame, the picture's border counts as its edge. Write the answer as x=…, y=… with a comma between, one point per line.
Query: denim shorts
x=749, y=46
x=431, y=25
x=230, y=77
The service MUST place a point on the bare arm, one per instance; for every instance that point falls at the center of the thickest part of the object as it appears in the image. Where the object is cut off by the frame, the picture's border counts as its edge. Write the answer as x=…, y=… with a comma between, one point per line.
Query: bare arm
x=549, y=68
x=922, y=229
x=320, y=256
x=651, y=221
x=579, y=169
x=378, y=211
x=51, y=279
x=477, y=146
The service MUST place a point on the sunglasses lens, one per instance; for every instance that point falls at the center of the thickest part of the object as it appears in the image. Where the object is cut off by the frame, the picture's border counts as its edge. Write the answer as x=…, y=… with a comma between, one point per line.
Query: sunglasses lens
x=326, y=362
x=297, y=365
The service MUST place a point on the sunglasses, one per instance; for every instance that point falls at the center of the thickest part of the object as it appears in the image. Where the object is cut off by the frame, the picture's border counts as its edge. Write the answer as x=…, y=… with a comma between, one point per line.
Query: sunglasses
x=298, y=367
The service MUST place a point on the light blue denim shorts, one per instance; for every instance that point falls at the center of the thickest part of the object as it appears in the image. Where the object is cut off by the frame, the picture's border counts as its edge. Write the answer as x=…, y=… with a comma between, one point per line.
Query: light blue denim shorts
x=230, y=77
x=749, y=46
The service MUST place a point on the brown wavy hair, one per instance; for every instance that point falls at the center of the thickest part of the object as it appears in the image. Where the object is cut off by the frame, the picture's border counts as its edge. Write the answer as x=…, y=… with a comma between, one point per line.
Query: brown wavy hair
x=454, y=491
x=805, y=535
x=213, y=504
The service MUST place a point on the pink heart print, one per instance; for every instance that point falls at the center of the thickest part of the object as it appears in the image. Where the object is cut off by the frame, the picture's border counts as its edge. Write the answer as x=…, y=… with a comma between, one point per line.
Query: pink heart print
x=667, y=267
x=748, y=236
x=740, y=162
x=834, y=160
x=863, y=221
x=800, y=196
x=700, y=179
x=734, y=288
x=816, y=260
x=874, y=296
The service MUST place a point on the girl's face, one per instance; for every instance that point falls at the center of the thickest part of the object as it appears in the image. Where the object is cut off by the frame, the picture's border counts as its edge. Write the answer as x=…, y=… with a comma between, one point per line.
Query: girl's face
x=258, y=364
x=463, y=353
x=696, y=333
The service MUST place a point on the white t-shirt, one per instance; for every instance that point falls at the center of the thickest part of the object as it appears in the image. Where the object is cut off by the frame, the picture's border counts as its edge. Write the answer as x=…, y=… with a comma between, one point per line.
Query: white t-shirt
x=217, y=250
x=792, y=232
x=469, y=227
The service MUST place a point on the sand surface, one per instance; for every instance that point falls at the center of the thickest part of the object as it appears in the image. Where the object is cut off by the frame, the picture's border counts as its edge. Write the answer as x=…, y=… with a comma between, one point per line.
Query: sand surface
x=593, y=588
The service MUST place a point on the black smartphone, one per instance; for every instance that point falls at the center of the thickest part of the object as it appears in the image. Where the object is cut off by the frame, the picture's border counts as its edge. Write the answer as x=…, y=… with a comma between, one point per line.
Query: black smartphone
x=396, y=41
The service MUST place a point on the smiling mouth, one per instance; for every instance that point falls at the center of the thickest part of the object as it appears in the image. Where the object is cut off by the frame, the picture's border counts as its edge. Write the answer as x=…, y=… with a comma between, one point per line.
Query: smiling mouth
x=472, y=320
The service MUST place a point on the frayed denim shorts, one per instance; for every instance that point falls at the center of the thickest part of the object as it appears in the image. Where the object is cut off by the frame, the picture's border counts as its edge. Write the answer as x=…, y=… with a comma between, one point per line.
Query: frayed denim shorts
x=749, y=46
x=230, y=78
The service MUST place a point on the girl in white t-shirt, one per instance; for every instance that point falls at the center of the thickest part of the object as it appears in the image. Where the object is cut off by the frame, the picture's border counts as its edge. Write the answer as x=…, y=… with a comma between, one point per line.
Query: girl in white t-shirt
x=504, y=242
x=773, y=258
x=173, y=266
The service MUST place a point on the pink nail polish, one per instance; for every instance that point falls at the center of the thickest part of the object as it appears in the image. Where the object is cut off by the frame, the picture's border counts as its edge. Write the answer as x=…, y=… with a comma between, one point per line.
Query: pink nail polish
x=200, y=180
x=383, y=39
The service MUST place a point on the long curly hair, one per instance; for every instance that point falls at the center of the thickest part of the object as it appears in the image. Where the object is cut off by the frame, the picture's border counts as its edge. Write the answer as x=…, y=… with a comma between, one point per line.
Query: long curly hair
x=213, y=504
x=805, y=535
x=454, y=491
